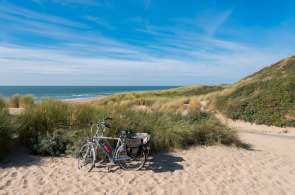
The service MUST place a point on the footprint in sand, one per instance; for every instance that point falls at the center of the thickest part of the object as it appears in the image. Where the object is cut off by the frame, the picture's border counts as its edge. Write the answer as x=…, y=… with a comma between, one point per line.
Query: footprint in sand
x=14, y=174
x=5, y=185
x=8, y=183
x=41, y=181
x=25, y=183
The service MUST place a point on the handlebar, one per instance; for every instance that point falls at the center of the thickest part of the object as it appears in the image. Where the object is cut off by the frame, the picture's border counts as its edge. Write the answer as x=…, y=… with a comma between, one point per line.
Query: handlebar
x=101, y=125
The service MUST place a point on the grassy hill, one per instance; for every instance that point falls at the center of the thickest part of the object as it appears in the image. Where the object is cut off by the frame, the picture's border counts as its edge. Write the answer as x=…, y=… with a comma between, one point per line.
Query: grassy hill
x=266, y=97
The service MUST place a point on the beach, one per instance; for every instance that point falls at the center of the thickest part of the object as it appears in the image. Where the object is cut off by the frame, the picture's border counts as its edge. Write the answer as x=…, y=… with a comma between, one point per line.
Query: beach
x=267, y=168
x=197, y=96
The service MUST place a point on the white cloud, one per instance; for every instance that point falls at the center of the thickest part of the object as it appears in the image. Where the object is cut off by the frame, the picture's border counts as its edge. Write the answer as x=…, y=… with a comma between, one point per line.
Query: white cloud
x=51, y=66
x=181, y=54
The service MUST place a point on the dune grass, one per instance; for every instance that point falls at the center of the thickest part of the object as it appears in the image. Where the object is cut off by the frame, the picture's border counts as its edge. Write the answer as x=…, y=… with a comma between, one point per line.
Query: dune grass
x=266, y=97
x=53, y=127
x=15, y=101
x=178, y=100
x=3, y=103
x=6, y=133
x=26, y=101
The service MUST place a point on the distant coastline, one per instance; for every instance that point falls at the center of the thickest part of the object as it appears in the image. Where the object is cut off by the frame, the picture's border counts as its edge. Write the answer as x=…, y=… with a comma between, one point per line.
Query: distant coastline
x=74, y=93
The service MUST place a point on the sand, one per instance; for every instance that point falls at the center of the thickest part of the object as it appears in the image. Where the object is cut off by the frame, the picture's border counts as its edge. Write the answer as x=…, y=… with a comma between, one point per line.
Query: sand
x=243, y=126
x=268, y=168
x=15, y=111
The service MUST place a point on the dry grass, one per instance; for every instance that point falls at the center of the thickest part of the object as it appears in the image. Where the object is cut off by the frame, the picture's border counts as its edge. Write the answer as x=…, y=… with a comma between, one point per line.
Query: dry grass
x=15, y=101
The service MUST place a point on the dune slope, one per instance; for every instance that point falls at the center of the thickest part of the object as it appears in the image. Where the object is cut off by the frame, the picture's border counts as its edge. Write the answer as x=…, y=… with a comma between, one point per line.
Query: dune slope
x=266, y=97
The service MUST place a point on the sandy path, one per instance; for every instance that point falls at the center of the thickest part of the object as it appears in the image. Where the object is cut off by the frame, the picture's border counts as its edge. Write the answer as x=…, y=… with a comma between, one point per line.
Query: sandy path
x=254, y=128
x=268, y=169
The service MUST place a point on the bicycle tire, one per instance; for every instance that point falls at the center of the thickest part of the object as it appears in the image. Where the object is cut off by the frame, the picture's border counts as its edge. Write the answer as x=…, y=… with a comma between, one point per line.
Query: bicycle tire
x=86, y=156
x=125, y=164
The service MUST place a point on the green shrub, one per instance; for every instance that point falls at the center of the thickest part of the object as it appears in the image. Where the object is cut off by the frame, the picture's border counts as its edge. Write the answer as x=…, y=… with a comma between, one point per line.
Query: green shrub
x=53, y=144
x=6, y=132
x=26, y=101
x=15, y=101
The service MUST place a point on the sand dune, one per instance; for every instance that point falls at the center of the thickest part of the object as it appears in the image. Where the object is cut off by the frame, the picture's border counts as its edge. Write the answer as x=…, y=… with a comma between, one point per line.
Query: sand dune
x=243, y=126
x=267, y=169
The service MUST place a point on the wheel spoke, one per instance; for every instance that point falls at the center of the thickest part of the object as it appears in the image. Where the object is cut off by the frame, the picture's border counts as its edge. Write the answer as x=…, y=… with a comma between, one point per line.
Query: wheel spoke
x=86, y=157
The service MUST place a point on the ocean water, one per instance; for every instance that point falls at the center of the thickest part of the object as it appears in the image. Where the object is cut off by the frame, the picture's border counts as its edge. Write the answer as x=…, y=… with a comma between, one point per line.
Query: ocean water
x=73, y=92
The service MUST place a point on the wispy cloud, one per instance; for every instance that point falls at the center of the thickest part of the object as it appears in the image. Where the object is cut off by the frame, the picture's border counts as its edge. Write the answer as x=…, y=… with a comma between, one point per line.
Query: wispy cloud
x=75, y=3
x=102, y=70
x=184, y=52
x=57, y=65
x=211, y=21
x=99, y=21
x=11, y=12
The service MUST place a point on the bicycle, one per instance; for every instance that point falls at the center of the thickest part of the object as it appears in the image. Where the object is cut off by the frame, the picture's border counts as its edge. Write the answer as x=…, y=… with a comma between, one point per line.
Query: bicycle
x=130, y=152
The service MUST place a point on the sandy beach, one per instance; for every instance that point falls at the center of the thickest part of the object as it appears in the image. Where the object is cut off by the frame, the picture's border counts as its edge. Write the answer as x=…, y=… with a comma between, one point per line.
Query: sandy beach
x=268, y=168
x=205, y=88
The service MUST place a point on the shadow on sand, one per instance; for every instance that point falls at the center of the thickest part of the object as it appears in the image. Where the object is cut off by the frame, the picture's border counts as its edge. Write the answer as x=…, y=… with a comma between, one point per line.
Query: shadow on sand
x=20, y=158
x=164, y=162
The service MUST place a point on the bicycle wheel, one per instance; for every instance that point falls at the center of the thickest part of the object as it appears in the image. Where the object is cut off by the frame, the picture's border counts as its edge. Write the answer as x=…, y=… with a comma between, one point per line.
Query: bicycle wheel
x=86, y=157
x=135, y=163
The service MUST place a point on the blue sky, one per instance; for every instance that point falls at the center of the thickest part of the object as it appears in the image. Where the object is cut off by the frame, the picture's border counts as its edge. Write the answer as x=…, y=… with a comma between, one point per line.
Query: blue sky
x=141, y=42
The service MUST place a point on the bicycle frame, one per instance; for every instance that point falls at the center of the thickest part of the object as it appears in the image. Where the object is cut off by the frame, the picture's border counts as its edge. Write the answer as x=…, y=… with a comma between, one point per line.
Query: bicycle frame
x=119, y=154
x=119, y=146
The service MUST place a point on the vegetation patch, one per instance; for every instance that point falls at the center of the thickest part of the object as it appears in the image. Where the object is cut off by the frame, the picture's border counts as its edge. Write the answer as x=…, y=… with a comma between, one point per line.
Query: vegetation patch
x=15, y=101
x=6, y=133
x=268, y=101
x=53, y=127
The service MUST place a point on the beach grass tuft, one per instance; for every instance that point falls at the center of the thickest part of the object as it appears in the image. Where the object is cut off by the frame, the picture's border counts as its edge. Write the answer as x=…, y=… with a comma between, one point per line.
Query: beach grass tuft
x=15, y=101
x=27, y=101
x=3, y=103
x=6, y=133
x=169, y=130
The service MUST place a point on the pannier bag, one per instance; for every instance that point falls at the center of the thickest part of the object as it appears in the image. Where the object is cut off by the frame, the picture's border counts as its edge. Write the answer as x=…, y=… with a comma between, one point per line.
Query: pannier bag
x=137, y=139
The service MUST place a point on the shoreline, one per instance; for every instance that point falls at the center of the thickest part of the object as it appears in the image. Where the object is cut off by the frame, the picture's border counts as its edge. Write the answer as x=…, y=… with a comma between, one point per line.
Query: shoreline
x=83, y=100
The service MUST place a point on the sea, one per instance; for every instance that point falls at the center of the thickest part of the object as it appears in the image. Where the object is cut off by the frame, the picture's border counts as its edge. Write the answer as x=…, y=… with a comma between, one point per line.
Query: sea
x=73, y=92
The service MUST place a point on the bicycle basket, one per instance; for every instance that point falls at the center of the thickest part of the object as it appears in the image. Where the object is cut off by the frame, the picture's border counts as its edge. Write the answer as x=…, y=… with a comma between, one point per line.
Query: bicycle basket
x=137, y=139
x=133, y=142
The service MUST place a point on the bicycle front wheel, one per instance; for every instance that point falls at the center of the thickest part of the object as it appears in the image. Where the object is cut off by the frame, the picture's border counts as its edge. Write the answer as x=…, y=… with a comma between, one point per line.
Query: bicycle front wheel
x=86, y=157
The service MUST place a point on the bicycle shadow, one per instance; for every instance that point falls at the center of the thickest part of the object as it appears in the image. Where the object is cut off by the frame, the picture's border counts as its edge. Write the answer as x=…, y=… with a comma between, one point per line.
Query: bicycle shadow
x=164, y=162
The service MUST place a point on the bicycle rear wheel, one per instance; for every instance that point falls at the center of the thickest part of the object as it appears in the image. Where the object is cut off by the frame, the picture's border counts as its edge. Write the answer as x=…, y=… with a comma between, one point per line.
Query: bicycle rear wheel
x=86, y=157
x=135, y=163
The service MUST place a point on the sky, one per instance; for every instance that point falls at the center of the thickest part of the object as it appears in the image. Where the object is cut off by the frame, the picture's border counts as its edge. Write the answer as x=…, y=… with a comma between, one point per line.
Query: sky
x=141, y=42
